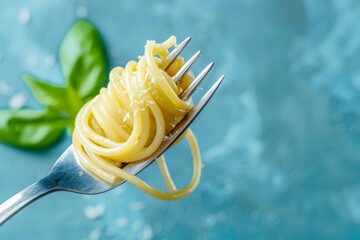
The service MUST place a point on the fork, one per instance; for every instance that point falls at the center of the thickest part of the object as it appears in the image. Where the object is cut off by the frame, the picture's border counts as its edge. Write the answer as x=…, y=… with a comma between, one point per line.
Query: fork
x=67, y=174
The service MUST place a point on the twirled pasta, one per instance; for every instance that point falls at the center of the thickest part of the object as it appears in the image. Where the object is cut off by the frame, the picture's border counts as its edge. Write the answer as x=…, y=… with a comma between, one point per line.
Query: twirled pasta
x=129, y=119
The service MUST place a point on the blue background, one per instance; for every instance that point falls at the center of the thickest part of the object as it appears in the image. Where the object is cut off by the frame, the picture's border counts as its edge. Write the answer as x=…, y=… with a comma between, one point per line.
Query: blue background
x=280, y=140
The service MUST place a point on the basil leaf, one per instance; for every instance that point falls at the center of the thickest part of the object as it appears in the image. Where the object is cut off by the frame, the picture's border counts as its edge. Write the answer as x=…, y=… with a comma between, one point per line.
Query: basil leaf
x=83, y=59
x=84, y=65
x=62, y=99
x=47, y=94
x=29, y=128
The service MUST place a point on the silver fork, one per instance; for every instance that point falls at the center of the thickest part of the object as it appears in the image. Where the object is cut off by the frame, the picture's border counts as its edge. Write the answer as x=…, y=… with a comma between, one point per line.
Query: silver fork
x=67, y=175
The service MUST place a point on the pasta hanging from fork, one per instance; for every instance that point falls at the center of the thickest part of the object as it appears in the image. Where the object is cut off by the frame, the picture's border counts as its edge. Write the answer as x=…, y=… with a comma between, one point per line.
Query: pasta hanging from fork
x=129, y=119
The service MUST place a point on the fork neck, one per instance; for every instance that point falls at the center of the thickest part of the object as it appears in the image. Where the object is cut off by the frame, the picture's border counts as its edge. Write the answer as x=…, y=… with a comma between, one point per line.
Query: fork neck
x=35, y=191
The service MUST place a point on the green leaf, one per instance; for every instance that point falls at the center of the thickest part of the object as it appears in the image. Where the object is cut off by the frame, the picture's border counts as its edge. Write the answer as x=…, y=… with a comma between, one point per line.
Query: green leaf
x=29, y=128
x=47, y=94
x=83, y=59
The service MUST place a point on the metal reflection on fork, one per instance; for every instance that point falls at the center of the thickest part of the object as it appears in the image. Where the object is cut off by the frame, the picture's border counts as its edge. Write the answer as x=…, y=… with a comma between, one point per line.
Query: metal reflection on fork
x=68, y=175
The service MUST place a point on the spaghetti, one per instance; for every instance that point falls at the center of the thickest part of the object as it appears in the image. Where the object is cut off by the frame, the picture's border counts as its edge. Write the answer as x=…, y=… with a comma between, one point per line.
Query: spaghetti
x=130, y=118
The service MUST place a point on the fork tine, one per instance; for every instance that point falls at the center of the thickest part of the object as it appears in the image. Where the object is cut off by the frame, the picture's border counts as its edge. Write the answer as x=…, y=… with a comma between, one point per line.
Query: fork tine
x=174, y=54
x=187, y=92
x=186, y=67
x=187, y=120
x=202, y=102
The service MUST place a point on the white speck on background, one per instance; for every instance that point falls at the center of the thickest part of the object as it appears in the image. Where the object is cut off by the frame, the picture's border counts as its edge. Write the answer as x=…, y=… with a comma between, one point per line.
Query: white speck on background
x=136, y=206
x=118, y=191
x=50, y=60
x=81, y=11
x=147, y=233
x=211, y=220
x=95, y=234
x=122, y=222
x=24, y=16
x=94, y=212
x=86, y=197
x=353, y=205
x=5, y=88
x=32, y=61
x=17, y=101
x=80, y=173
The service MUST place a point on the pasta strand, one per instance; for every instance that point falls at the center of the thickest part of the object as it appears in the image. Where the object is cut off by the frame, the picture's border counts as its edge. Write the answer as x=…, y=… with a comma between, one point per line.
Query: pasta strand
x=129, y=119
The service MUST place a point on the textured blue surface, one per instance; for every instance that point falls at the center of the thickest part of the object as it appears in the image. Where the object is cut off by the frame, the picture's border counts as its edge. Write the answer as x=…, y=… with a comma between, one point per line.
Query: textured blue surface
x=280, y=140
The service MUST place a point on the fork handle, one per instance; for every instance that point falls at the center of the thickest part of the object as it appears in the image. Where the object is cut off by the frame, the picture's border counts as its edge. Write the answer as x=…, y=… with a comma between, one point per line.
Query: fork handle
x=35, y=191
